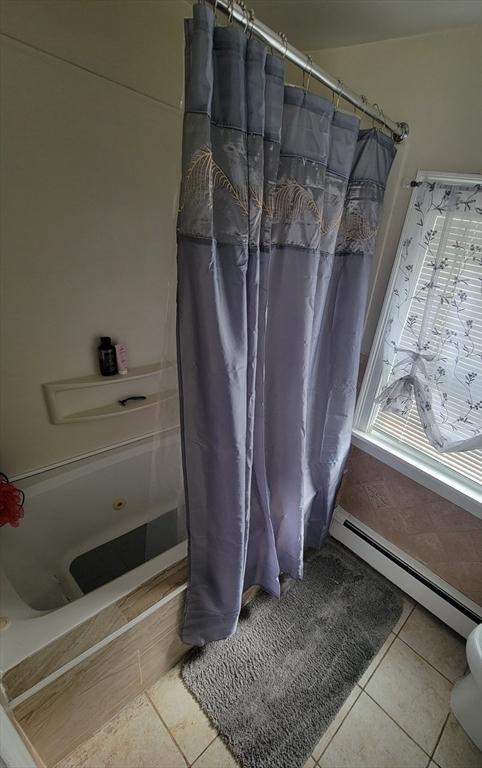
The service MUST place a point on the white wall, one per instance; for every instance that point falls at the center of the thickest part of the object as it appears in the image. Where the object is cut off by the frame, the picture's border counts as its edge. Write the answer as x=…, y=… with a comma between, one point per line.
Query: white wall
x=433, y=83
x=91, y=132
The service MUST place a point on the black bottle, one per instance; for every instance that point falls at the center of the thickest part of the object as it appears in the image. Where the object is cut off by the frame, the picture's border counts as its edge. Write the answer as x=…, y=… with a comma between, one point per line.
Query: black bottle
x=107, y=358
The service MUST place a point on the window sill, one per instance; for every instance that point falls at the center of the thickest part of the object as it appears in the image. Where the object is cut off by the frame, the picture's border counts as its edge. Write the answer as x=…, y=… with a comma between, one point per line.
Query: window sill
x=423, y=472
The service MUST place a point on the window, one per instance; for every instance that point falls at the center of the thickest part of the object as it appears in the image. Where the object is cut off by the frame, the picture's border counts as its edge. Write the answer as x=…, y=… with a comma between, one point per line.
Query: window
x=429, y=338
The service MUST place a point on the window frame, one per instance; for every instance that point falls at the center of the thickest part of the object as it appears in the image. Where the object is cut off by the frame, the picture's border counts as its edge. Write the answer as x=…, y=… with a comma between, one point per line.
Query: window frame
x=402, y=456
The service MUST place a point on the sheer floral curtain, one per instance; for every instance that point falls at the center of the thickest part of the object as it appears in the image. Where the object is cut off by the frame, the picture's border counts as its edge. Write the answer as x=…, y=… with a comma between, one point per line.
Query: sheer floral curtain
x=433, y=344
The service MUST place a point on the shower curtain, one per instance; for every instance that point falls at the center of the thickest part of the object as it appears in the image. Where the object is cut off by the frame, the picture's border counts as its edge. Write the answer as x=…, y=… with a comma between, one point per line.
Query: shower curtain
x=279, y=208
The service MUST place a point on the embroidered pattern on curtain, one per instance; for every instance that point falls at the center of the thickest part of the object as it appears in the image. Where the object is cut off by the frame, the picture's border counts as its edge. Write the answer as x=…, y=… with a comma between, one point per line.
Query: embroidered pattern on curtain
x=280, y=203
x=433, y=351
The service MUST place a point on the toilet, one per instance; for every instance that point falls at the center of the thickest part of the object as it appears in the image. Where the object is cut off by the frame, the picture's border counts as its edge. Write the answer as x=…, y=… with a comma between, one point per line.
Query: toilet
x=466, y=698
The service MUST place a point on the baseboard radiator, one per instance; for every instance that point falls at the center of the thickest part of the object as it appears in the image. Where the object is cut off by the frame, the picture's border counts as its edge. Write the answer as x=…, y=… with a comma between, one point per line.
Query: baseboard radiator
x=425, y=587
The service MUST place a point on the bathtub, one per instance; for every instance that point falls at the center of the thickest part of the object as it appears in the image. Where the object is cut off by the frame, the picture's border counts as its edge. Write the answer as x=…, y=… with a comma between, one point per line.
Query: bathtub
x=70, y=511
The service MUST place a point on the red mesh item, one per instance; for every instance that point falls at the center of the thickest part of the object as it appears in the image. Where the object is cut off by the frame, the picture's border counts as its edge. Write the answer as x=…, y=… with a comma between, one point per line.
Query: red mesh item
x=11, y=502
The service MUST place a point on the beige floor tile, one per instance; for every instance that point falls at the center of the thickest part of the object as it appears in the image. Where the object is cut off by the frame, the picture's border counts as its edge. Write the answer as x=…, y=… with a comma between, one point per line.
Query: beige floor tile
x=134, y=737
x=376, y=660
x=436, y=642
x=368, y=738
x=182, y=714
x=336, y=722
x=412, y=692
x=217, y=755
x=455, y=749
x=408, y=606
x=310, y=763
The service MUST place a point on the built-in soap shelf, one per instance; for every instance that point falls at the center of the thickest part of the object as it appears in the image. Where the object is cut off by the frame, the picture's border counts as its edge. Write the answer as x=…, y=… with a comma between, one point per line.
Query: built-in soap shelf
x=89, y=398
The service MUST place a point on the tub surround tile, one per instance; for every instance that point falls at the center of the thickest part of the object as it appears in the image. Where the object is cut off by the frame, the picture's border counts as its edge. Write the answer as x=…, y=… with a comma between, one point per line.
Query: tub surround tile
x=160, y=657
x=379, y=494
x=413, y=693
x=160, y=627
x=466, y=577
x=465, y=544
x=153, y=590
x=437, y=643
x=134, y=737
x=408, y=492
x=336, y=722
x=217, y=755
x=368, y=738
x=66, y=712
x=182, y=714
x=57, y=653
x=437, y=533
x=455, y=749
x=23, y=736
x=447, y=517
x=75, y=705
x=49, y=659
x=69, y=710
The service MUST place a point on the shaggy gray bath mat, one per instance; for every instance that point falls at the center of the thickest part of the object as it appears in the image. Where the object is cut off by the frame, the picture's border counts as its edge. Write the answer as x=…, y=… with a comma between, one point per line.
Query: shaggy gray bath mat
x=272, y=689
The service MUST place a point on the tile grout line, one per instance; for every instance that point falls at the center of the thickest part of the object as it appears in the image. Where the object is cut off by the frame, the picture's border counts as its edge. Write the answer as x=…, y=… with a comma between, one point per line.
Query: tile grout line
x=201, y=710
x=406, y=619
x=216, y=735
x=209, y=720
x=439, y=737
x=362, y=687
x=206, y=749
x=380, y=661
x=427, y=661
x=398, y=724
x=167, y=728
x=343, y=720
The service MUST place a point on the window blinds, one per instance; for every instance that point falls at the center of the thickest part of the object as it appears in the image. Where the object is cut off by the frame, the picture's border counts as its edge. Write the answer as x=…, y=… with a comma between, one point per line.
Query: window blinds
x=453, y=228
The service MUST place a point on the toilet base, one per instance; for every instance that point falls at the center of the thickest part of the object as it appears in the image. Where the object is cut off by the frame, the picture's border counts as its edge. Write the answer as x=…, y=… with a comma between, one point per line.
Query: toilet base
x=466, y=704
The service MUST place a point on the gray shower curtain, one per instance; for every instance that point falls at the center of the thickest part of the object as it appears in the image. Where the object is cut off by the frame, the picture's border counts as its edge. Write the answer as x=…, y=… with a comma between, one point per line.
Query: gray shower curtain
x=280, y=203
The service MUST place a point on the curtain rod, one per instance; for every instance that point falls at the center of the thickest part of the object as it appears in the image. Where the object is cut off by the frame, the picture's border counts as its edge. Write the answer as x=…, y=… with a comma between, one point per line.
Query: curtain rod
x=278, y=42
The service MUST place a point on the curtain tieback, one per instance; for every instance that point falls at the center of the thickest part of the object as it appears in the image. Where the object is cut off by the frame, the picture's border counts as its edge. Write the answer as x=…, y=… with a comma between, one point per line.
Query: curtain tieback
x=397, y=397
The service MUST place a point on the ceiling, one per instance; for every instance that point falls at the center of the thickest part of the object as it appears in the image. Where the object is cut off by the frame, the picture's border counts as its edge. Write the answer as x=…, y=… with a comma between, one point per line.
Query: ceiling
x=314, y=24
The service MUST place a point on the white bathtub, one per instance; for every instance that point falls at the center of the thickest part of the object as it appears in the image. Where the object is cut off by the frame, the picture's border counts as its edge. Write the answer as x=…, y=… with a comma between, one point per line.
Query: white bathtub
x=69, y=511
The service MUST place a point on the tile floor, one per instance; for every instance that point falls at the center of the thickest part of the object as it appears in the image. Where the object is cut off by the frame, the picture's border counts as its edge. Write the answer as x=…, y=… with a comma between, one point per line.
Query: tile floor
x=397, y=716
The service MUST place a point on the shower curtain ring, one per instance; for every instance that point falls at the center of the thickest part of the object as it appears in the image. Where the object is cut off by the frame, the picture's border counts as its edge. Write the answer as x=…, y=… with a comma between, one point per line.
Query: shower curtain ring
x=373, y=117
x=215, y=10
x=245, y=14
x=364, y=102
x=340, y=88
x=251, y=22
x=231, y=9
x=309, y=64
x=382, y=113
x=284, y=40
